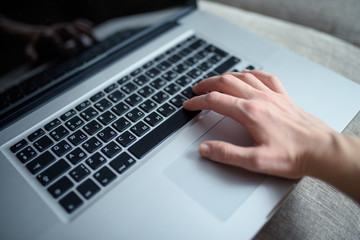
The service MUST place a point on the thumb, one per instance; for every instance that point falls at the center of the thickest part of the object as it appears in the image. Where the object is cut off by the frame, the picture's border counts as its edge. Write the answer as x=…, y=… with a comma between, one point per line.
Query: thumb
x=230, y=154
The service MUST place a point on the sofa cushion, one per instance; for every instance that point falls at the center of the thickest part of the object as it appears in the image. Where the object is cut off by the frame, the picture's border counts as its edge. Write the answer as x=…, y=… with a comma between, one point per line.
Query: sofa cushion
x=336, y=17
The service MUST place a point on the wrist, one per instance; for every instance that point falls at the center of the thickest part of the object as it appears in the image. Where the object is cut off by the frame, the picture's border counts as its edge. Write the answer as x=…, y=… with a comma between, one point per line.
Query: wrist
x=339, y=163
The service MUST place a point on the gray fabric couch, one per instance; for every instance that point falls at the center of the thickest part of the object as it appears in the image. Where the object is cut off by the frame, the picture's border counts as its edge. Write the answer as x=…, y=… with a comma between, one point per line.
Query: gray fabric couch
x=328, y=33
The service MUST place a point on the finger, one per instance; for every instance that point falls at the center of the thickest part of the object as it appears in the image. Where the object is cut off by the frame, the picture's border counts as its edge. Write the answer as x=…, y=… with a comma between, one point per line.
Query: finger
x=68, y=32
x=251, y=80
x=85, y=27
x=230, y=154
x=31, y=52
x=271, y=81
x=225, y=83
x=221, y=103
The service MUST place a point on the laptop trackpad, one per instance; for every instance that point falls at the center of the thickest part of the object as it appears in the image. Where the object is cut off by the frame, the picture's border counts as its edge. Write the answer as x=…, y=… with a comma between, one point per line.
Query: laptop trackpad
x=219, y=188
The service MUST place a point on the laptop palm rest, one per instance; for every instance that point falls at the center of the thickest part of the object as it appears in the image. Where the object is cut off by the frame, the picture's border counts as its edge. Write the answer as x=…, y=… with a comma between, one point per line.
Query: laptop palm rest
x=218, y=188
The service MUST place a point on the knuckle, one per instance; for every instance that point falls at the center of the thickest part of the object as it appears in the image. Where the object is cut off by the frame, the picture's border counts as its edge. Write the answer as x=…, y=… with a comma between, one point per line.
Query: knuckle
x=225, y=78
x=252, y=108
x=223, y=154
x=212, y=97
x=247, y=75
x=273, y=78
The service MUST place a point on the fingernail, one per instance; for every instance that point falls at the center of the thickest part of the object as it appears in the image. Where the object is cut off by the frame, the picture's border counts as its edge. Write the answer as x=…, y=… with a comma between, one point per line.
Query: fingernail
x=204, y=150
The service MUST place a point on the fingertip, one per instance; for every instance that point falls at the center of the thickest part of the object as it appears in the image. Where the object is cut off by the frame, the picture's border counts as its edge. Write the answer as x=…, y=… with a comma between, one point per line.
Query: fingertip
x=204, y=150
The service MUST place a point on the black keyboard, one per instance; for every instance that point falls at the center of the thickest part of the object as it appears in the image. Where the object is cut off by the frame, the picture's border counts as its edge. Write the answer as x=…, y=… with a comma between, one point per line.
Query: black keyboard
x=84, y=149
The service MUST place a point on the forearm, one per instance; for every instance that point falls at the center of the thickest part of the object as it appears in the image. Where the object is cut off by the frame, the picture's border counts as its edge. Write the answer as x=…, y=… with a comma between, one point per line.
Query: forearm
x=341, y=165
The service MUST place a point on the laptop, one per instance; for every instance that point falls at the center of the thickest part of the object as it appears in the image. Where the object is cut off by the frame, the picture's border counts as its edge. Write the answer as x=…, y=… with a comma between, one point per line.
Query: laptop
x=107, y=151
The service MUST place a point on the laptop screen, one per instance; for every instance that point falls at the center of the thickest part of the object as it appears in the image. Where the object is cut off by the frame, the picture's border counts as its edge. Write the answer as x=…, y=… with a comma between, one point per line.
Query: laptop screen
x=50, y=38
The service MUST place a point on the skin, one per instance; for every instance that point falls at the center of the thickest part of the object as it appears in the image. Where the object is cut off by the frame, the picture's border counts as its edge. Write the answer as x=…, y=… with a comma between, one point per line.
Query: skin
x=288, y=141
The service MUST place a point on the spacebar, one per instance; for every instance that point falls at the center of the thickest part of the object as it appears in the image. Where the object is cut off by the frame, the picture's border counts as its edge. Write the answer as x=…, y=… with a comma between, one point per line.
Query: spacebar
x=165, y=129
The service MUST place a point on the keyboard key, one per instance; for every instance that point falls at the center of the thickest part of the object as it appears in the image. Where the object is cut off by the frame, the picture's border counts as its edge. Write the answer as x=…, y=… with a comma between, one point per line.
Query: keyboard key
x=197, y=44
x=158, y=83
x=153, y=119
x=103, y=104
x=250, y=67
x=16, y=147
x=129, y=88
x=89, y=114
x=104, y=176
x=95, y=161
x=121, y=124
x=215, y=59
x=40, y=162
x=60, y=187
x=107, y=134
x=26, y=154
x=107, y=117
x=122, y=163
x=120, y=108
x=83, y=105
x=76, y=156
x=169, y=75
x=160, y=97
x=212, y=48
x=172, y=88
x=141, y=80
x=180, y=68
x=205, y=65
x=124, y=79
x=92, y=127
x=177, y=101
x=188, y=92
x=148, y=105
x=136, y=72
x=111, y=149
x=74, y=123
x=88, y=189
x=166, y=110
x=43, y=143
x=68, y=115
x=195, y=73
x=59, y=133
x=53, y=172
x=135, y=114
x=140, y=128
x=97, y=96
x=146, y=91
x=126, y=139
x=116, y=96
x=164, y=65
x=111, y=88
x=79, y=173
x=61, y=148
x=35, y=135
x=77, y=137
x=71, y=202
x=224, y=67
x=153, y=138
x=174, y=58
x=153, y=72
x=54, y=123
x=148, y=64
x=92, y=145
x=133, y=99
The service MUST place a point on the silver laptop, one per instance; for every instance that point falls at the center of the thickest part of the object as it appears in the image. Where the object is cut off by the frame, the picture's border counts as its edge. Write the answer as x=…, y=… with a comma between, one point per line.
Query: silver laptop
x=107, y=151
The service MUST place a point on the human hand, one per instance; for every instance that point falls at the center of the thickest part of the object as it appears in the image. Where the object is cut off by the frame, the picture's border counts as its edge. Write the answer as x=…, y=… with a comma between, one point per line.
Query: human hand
x=58, y=40
x=288, y=142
